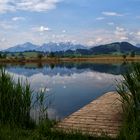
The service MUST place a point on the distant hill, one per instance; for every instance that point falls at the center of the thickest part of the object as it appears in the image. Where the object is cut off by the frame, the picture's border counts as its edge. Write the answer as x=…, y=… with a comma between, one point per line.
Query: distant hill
x=70, y=48
x=113, y=48
x=117, y=47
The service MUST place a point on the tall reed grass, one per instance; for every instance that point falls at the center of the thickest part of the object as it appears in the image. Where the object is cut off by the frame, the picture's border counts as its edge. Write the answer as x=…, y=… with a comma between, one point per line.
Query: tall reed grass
x=15, y=101
x=129, y=90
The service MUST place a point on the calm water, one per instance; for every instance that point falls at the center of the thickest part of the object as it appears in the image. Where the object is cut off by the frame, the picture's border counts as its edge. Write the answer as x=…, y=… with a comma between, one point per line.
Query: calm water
x=69, y=86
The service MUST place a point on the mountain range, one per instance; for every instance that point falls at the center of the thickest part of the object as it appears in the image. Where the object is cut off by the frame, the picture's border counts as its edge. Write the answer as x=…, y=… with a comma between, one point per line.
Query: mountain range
x=46, y=47
x=70, y=48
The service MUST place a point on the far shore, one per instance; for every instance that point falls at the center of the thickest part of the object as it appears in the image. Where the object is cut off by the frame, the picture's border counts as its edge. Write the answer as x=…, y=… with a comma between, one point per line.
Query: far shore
x=96, y=59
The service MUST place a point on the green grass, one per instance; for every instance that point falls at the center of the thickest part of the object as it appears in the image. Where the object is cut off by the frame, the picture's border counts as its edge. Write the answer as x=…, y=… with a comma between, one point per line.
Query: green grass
x=15, y=101
x=129, y=90
x=26, y=54
x=41, y=133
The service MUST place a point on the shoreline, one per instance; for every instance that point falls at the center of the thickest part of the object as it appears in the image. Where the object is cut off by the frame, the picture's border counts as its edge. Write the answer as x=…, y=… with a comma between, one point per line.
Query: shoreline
x=55, y=60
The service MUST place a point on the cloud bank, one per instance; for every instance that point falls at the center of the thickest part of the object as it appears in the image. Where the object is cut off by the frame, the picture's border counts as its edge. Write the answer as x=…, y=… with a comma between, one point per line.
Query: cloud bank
x=27, y=5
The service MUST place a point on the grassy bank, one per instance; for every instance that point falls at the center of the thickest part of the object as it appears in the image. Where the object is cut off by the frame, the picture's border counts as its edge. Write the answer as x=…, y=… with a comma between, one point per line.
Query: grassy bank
x=99, y=58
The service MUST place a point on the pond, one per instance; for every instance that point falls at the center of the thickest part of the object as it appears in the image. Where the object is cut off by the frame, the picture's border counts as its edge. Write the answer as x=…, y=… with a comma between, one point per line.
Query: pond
x=69, y=86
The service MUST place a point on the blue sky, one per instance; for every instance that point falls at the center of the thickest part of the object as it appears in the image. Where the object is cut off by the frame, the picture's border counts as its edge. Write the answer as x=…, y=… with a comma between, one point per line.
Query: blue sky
x=89, y=22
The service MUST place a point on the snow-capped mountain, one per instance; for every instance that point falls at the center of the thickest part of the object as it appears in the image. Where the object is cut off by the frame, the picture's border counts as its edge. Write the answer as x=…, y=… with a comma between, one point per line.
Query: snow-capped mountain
x=46, y=47
x=22, y=47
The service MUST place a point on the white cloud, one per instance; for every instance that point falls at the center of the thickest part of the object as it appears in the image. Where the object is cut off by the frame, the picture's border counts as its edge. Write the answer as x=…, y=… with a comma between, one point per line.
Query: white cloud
x=138, y=33
x=112, y=14
x=6, y=25
x=122, y=33
x=91, y=43
x=95, y=41
x=5, y=7
x=64, y=31
x=123, y=38
x=18, y=18
x=90, y=37
x=41, y=29
x=119, y=29
x=105, y=36
x=3, y=39
x=26, y=5
x=98, y=39
x=100, y=18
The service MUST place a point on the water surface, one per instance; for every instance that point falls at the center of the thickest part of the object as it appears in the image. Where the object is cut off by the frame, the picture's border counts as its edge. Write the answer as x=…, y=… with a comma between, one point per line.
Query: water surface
x=70, y=86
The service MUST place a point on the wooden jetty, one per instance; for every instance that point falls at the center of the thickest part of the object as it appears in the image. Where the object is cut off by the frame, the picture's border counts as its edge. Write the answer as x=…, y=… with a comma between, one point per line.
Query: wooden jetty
x=100, y=117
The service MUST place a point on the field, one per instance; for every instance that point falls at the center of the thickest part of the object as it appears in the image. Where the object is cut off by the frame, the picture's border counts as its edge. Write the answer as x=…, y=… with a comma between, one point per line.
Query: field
x=32, y=57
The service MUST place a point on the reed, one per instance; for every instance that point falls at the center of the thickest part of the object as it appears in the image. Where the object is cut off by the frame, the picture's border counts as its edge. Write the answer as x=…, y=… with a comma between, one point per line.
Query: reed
x=129, y=90
x=15, y=101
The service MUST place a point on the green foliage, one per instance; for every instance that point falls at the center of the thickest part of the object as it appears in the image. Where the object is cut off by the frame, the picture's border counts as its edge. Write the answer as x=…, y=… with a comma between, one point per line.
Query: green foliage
x=12, y=54
x=129, y=91
x=132, y=54
x=51, y=54
x=4, y=55
x=21, y=54
x=15, y=101
x=0, y=55
x=40, y=56
x=43, y=132
x=124, y=56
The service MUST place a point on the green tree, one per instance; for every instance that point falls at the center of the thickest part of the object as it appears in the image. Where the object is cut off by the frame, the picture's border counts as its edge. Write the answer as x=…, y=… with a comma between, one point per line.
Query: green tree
x=124, y=56
x=0, y=55
x=21, y=54
x=13, y=55
x=40, y=56
x=51, y=54
x=4, y=55
x=132, y=54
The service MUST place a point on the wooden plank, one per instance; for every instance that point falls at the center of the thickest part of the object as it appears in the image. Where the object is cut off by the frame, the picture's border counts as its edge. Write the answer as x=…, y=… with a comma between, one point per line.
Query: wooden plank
x=101, y=116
